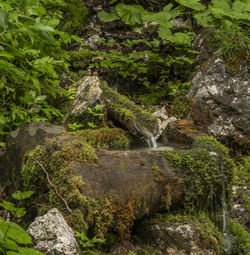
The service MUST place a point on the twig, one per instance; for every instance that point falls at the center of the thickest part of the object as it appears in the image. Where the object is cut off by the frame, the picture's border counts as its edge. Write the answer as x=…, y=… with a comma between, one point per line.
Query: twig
x=47, y=174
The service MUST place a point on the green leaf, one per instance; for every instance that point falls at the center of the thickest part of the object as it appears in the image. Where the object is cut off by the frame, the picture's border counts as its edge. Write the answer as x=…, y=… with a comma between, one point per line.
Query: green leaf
x=131, y=14
x=192, y=4
x=4, y=16
x=107, y=17
x=9, y=244
x=36, y=83
x=28, y=251
x=15, y=232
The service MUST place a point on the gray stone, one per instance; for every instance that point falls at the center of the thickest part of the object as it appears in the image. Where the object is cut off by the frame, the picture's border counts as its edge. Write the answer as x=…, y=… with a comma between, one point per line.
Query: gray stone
x=89, y=94
x=221, y=106
x=52, y=235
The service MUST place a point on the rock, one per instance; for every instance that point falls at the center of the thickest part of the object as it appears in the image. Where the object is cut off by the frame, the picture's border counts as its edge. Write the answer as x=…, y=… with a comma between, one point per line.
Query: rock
x=181, y=132
x=221, y=106
x=21, y=141
x=52, y=235
x=89, y=94
x=180, y=236
x=163, y=120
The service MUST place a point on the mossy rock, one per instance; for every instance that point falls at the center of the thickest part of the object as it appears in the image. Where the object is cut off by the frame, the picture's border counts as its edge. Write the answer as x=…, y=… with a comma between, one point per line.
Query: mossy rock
x=105, y=138
x=208, y=171
x=180, y=232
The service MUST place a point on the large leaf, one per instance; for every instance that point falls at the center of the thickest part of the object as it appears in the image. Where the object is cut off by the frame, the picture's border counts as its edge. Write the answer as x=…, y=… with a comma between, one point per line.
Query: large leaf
x=131, y=14
x=107, y=17
x=192, y=4
x=15, y=232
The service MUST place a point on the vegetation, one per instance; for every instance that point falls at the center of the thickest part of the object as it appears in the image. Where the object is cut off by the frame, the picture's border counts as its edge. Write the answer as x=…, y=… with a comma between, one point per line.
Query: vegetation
x=13, y=238
x=41, y=56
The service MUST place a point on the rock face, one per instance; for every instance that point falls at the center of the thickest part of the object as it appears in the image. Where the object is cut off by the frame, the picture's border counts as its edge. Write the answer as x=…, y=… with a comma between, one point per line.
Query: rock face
x=52, y=235
x=221, y=106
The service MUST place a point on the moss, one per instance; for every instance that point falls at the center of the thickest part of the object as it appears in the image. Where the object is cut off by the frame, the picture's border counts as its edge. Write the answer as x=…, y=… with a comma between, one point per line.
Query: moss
x=105, y=138
x=210, y=236
x=157, y=172
x=180, y=107
x=241, y=239
x=126, y=107
x=97, y=216
x=80, y=59
x=75, y=17
x=207, y=170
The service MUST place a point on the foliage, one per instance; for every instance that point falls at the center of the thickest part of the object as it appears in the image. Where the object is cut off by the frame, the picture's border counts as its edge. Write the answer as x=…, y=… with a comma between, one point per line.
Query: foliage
x=86, y=242
x=136, y=16
x=95, y=112
x=11, y=234
x=29, y=74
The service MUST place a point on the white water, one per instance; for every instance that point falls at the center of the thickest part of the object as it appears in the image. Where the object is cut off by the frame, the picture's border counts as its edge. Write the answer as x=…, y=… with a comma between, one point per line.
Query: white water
x=150, y=139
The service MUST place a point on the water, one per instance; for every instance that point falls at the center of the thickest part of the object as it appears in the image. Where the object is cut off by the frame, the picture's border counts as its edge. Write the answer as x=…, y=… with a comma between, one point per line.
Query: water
x=150, y=139
x=227, y=240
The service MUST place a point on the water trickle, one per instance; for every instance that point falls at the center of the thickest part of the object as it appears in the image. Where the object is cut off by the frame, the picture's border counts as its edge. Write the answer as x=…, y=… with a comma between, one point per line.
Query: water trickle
x=227, y=240
x=150, y=139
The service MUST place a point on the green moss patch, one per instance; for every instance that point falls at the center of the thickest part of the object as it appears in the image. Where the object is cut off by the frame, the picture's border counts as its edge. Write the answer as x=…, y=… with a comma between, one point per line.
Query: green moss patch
x=240, y=238
x=80, y=59
x=126, y=107
x=105, y=138
x=208, y=170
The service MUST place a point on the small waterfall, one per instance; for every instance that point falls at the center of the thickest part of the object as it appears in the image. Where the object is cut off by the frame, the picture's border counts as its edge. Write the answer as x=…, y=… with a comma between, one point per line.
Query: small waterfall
x=150, y=139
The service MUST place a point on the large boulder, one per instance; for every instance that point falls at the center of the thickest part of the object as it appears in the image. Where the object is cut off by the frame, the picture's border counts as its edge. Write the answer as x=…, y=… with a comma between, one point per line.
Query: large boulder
x=52, y=235
x=221, y=106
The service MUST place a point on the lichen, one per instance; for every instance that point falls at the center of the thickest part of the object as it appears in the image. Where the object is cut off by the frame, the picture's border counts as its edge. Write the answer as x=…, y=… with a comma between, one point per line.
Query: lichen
x=207, y=170
x=105, y=138
x=97, y=215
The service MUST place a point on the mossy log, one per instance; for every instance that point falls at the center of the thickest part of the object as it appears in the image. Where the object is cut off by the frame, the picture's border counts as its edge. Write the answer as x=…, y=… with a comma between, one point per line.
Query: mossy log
x=134, y=118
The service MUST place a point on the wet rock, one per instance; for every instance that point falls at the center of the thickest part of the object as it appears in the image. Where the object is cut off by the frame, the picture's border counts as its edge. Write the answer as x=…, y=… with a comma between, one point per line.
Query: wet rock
x=221, y=106
x=163, y=120
x=52, y=235
x=182, y=132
